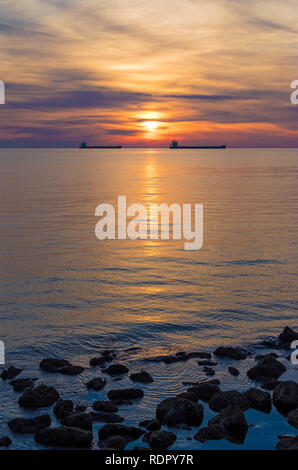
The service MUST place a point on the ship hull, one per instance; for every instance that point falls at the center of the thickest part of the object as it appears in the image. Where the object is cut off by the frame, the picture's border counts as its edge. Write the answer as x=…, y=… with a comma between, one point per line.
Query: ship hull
x=202, y=147
x=102, y=147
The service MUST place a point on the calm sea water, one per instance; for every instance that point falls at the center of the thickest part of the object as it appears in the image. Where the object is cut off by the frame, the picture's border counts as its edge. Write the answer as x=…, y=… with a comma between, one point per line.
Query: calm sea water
x=66, y=294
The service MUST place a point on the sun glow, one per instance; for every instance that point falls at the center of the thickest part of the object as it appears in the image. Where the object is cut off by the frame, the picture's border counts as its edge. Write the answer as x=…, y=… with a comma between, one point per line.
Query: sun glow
x=150, y=125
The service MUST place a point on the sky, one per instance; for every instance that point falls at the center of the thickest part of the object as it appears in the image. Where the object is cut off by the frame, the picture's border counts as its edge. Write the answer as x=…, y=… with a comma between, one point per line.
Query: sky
x=143, y=72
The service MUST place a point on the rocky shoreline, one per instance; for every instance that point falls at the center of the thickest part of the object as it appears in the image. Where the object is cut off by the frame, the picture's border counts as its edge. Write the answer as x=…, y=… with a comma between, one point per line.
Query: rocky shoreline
x=184, y=411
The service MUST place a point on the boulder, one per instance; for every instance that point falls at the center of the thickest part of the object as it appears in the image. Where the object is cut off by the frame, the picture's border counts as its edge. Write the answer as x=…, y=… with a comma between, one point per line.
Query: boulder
x=205, y=390
x=125, y=394
x=106, y=406
x=63, y=408
x=200, y=355
x=213, y=432
x=268, y=383
x=221, y=400
x=233, y=421
x=19, y=385
x=233, y=371
x=268, y=367
x=97, y=361
x=260, y=400
x=160, y=439
x=208, y=371
x=287, y=443
x=143, y=377
x=287, y=337
x=207, y=362
x=130, y=432
x=5, y=441
x=52, y=364
x=64, y=436
x=231, y=352
x=78, y=420
x=114, y=442
x=10, y=373
x=38, y=397
x=29, y=425
x=106, y=417
x=150, y=424
x=285, y=397
x=116, y=369
x=268, y=356
x=71, y=370
x=173, y=411
x=293, y=418
x=188, y=395
x=96, y=384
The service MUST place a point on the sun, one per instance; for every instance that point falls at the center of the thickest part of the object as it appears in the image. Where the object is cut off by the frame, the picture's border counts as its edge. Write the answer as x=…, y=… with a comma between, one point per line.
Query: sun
x=150, y=125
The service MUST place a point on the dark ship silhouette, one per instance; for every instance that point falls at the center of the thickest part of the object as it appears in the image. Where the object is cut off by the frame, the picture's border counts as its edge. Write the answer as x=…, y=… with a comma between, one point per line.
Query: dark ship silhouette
x=84, y=145
x=174, y=145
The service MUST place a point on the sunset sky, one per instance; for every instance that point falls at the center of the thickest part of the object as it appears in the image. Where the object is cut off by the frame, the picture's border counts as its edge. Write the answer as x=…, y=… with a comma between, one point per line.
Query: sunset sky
x=142, y=72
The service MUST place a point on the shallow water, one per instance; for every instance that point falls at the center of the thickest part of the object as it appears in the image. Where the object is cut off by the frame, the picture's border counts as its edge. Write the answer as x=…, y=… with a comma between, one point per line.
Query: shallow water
x=66, y=294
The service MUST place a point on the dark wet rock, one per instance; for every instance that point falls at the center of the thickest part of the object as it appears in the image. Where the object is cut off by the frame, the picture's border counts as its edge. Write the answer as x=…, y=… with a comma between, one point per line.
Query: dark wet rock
x=287, y=336
x=29, y=425
x=271, y=343
x=63, y=408
x=143, y=377
x=220, y=400
x=97, y=361
x=106, y=417
x=51, y=364
x=211, y=433
x=71, y=370
x=268, y=367
x=5, y=441
x=120, y=401
x=199, y=355
x=125, y=394
x=64, y=436
x=114, y=443
x=19, y=385
x=10, y=373
x=173, y=411
x=287, y=443
x=96, y=384
x=233, y=371
x=233, y=421
x=285, y=397
x=208, y=371
x=207, y=362
x=263, y=356
x=231, y=352
x=160, y=439
x=80, y=408
x=78, y=420
x=260, y=400
x=106, y=406
x=293, y=418
x=268, y=383
x=38, y=397
x=188, y=396
x=205, y=390
x=116, y=369
x=150, y=424
x=130, y=432
x=141, y=448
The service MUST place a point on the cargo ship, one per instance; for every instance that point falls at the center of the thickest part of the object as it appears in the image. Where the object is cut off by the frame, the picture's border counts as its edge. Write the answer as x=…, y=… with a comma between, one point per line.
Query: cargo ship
x=84, y=145
x=174, y=145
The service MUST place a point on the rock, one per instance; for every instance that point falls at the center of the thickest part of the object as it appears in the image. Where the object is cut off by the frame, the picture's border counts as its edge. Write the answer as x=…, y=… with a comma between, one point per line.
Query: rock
x=71, y=370
x=211, y=433
x=63, y=408
x=208, y=371
x=78, y=420
x=150, y=424
x=287, y=337
x=143, y=377
x=233, y=371
x=221, y=400
x=114, y=442
x=140, y=448
x=125, y=394
x=80, y=408
x=233, y=421
x=205, y=390
x=53, y=365
x=96, y=384
x=130, y=432
x=106, y=406
x=106, y=417
x=19, y=385
x=64, y=436
x=207, y=362
x=263, y=356
x=285, y=397
x=268, y=367
x=268, y=383
x=231, y=352
x=260, y=400
x=29, y=425
x=188, y=396
x=160, y=439
x=97, y=361
x=173, y=411
x=5, y=441
x=119, y=402
x=10, y=373
x=287, y=443
x=200, y=354
x=38, y=397
x=271, y=343
x=293, y=418
x=116, y=369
